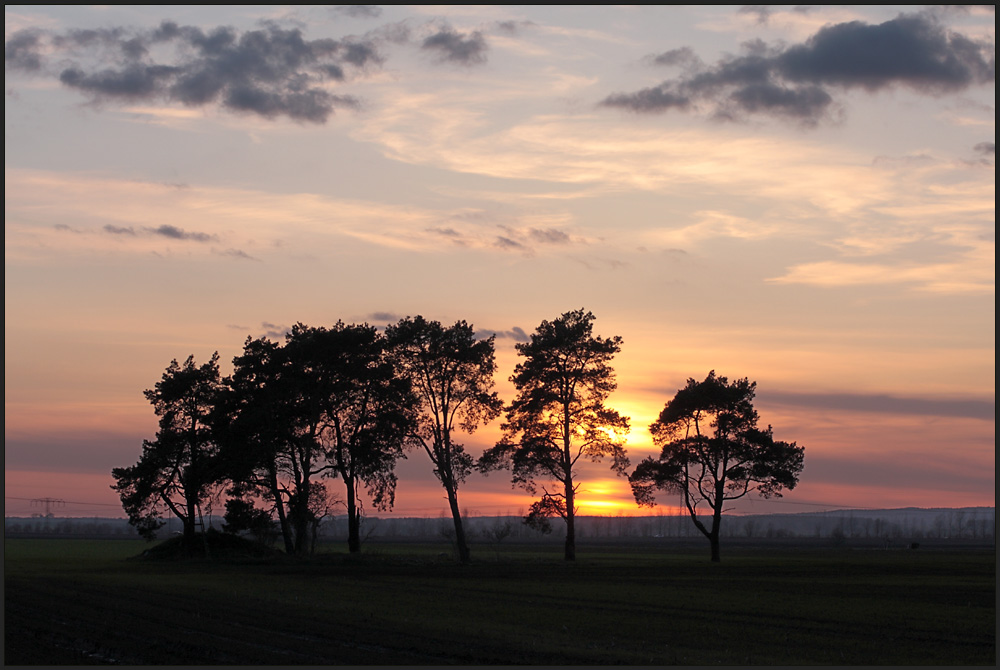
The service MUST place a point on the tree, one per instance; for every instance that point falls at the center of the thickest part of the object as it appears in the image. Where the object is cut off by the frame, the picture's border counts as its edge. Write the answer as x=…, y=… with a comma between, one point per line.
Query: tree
x=275, y=421
x=242, y=516
x=178, y=469
x=257, y=429
x=452, y=376
x=559, y=417
x=368, y=411
x=713, y=452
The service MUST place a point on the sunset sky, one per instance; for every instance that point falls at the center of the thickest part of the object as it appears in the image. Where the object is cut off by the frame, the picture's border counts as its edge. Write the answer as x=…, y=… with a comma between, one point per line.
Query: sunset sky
x=804, y=197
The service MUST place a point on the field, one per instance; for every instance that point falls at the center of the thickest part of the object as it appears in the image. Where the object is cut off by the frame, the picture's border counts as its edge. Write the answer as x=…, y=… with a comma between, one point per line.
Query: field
x=81, y=602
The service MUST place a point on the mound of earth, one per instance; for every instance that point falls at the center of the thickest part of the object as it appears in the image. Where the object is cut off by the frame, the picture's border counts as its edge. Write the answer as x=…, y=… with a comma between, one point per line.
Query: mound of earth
x=212, y=545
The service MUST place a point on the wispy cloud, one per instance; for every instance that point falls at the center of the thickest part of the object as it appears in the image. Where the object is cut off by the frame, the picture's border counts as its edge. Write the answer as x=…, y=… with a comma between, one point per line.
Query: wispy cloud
x=970, y=408
x=955, y=277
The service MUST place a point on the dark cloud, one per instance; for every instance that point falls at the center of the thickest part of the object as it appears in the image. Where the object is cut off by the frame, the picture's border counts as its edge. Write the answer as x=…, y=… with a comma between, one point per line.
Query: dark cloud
x=382, y=317
x=358, y=11
x=909, y=50
x=175, y=233
x=986, y=148
x=269, y=330
x=445, y=232
x=269, y=72
x=795, y=82
x=549, y=236
x=512, y=27
x=509, y=27
x=508, y=244
x=684, y=56
x=449, y=234
x=23, y=51
x=274, y=331
x=655, y=99
x=969, y=408
x=761, y=12
x=238, y=254
x=454, y=47
x=898, y=472
x=516, y=333
x=48, y=449
x=119, y=230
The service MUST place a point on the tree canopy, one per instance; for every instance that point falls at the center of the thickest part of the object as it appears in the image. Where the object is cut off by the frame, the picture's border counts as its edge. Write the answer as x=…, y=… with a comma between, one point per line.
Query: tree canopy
x=712, y=451
x=367, y=410
x=452, y=376
x=177, y=470
x=559, y=417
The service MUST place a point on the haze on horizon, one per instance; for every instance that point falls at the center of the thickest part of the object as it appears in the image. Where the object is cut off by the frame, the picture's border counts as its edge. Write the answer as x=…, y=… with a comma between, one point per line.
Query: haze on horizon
x=726, y=188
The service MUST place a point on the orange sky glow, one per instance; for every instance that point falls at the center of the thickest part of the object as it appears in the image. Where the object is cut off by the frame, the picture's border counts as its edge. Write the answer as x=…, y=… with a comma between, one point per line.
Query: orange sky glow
x=834, y=243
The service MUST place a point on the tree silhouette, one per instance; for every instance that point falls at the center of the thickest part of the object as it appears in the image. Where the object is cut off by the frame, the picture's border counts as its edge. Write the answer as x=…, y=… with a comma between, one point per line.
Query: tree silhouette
x=713, y=452
x=257, y=429
x=367, y=411
x=452, y=376
x=178, y=469
x=559, y=417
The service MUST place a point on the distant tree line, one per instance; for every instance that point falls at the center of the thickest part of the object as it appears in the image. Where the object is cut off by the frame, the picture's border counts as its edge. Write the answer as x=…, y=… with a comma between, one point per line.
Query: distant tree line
x=897, y=526
x=348, y=402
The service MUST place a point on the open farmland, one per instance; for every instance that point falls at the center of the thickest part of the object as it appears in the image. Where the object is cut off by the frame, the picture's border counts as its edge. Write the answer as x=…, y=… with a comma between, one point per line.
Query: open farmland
x=82, y=602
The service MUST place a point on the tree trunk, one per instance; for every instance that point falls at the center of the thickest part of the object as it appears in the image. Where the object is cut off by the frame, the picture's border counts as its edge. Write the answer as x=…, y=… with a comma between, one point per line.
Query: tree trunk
x=713, y=538
x=300, y=518
x=714, y=541
x=463, y=548
x=190, y=537
x=286, y=532
x=353, y=518
x=569, y=552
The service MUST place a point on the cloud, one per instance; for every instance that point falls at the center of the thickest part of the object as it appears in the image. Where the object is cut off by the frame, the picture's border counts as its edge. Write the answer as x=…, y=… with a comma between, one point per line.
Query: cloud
x=970, y=275
x=23, y=50
x=119, y=230
x=798, y=81
x=684, y=56
x=986, y=148
x=549, y=236
x=512, y=28
x=269, y=72
x=238, y=254
x=507, y=244
x=454, y=47
x=358, y=11
x=968, y=408
x=761, y=12
x=175, y=233
x=382, y=317
x=274, y=331
x=516, y=333
x=450, y=234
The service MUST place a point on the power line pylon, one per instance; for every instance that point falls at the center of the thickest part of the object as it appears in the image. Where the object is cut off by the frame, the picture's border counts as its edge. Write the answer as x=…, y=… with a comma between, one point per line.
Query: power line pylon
x=49, y=504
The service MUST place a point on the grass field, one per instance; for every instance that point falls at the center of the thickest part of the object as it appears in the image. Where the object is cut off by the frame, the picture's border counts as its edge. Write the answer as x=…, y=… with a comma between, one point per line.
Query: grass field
x=82, y=602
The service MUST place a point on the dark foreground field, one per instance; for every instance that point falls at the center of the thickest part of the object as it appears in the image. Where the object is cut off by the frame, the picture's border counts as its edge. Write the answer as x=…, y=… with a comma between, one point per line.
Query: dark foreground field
x=81, y=602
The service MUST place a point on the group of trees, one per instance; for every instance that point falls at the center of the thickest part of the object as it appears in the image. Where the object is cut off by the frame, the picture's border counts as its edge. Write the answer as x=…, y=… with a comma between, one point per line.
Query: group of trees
x=344, y=402
x=348, y=402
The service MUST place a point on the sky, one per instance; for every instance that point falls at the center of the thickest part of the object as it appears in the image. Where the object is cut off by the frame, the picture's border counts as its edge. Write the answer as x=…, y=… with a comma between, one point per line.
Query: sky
x=801, y=196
